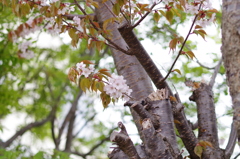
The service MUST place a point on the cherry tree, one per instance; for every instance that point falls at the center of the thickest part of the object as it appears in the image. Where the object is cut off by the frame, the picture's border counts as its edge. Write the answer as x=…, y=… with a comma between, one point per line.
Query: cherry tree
x=159, y=114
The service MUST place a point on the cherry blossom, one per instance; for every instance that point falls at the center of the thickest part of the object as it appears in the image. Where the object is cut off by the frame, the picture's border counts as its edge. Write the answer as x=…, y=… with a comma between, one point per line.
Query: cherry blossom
x=206, y=22
x=77, y=21
x=80, y=65
x=84, y=69
x=27, y=55
x=168, y=1
x=192, y=9
x=23, y=46
x=117, y=87
x=86, y=72
x=66, y=9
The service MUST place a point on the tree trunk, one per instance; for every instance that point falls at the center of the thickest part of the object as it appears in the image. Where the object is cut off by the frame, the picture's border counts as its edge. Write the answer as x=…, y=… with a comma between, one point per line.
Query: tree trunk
x=126, y=65
x=231, y=54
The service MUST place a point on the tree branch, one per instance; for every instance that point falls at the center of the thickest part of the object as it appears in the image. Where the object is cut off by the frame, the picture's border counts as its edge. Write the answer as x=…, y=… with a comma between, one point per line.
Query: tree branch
x=86, y=122
x=154, y=144
x=142, y=112
x=216, y=70
x=180, y=51
x=71, y=16
x=144, y=16
x=97, y=29
x=231, y=141
x=70, y=130
x=210, y=68
x=35, y=124
x=186, y=133
x=124, y=142
x=68, y=116
x=207, y=122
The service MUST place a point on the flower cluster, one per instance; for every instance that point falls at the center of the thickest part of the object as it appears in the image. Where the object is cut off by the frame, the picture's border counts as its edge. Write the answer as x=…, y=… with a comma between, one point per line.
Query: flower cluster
x=84, y=69
x=25, y=53
x=77, y=21
x=65, y=8
x=194, y=8
x=204, y=22
x=117, y=87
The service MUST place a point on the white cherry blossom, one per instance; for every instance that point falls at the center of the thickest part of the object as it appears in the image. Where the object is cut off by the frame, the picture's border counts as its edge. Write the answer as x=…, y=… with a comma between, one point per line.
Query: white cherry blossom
x=117, y=87
x=80, y=65
x=27, y=55
x=86, y=72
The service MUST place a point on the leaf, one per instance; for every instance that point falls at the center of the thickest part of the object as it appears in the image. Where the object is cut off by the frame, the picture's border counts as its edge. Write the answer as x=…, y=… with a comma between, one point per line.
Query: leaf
x=180, y=7
x=198, y=27
x=201, y=32
x=99, y=45
x=213, y=10
x=85, y=84
x=103, y=1
x=105, y=72
x=95, y=4
x=177, y=121
x=198, y=150
x=169, y=16
x=181, y=39
x=92, y=31
x=72, y=33
x=173, y=99
x=162, y=12
x=87, y=62
x=120, y=2
x=190, y=54
x=156, y=16
x=72, y=74
x=57, y=4
x=116, y=8
x=143, y=7
x=177, y=70
x=93, y=85
x=204, y=144
x=100, y=86
x=176, y=12
x=182, y=3
x=96, y=24
x=173, y=44
x=105, y=99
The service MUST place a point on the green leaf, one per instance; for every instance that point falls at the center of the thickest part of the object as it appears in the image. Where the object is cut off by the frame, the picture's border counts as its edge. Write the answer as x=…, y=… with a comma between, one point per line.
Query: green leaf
x=190, y=54
x=85, y=84
x=156, y=16
x=116, y=8
x=173, y=44
x=177, y=70
x=169, y=16
x=105, y=99
x=100, y=86
x=198, y=150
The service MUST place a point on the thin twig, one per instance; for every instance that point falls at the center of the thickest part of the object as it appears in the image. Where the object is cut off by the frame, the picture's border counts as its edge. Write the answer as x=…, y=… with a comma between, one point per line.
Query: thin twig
x=236, y=157
x=129, y=3
x=129, y=22
x=180, y=51
x=85, y=124
x=109, y=10
x=68, y=116
x=144, y=16
x=231, y=142
x=97, y=29
x=210, y=68
x=216, y=70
